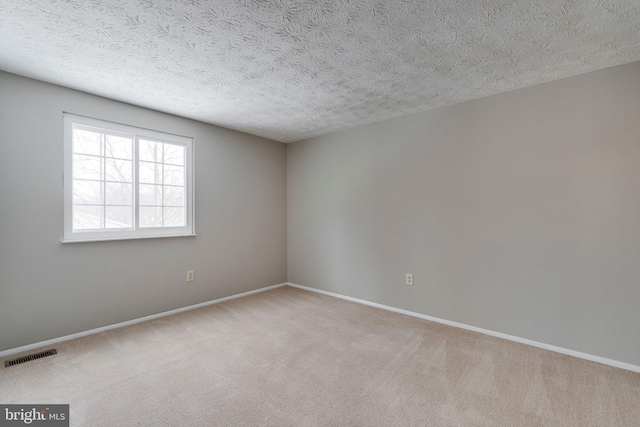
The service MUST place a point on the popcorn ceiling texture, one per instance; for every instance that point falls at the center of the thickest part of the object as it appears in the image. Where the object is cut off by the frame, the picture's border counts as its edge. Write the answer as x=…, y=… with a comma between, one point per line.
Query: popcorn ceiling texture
x=293, y=69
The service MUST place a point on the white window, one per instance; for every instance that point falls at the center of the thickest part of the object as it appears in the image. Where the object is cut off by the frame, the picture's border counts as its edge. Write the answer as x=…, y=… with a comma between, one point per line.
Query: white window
x=124, y=182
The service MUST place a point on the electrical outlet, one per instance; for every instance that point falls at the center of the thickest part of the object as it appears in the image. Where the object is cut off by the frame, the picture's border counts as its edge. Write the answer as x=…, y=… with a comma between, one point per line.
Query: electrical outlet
x=190, y=276
x=409, y=279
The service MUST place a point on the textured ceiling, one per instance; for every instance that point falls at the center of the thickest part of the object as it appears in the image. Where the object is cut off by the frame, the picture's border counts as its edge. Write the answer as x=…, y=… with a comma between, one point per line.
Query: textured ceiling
x=293, y=69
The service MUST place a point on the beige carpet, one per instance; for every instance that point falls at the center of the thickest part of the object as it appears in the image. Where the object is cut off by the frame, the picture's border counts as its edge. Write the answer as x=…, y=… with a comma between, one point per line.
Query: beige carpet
x=289, y=357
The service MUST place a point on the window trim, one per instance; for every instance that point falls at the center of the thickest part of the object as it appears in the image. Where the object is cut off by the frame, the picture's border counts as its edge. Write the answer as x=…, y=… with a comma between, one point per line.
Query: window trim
x=69, y=236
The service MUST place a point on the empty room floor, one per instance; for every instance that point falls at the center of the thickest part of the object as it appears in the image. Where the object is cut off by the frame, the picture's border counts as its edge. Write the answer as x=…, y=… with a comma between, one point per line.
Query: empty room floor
x=290, y=357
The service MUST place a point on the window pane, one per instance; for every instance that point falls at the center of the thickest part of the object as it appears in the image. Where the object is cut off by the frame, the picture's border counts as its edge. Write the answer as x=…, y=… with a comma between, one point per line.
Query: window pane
x=150, y=217
x=150, y=195
x=87, y=217
x=117, y=194
x=86, y=167
x=118, y=170
x=173, y=154
x=118, y=146
x=150, y=151
x=150, y=173
x=117, y=217
x=86, y=142
x=123, y=179
x=174, y=217
x=173, y=196
x=174, y=175
x=87, y=192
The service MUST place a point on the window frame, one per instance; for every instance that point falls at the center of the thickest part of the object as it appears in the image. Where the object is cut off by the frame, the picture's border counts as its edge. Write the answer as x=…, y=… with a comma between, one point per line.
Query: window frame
x=135, y=232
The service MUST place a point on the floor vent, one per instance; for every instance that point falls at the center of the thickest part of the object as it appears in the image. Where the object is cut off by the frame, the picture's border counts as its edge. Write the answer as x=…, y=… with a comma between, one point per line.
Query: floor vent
x=29, y=357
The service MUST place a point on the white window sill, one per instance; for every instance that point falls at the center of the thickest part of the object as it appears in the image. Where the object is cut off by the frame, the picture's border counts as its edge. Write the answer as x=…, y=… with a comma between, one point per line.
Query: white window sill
x=107, y=239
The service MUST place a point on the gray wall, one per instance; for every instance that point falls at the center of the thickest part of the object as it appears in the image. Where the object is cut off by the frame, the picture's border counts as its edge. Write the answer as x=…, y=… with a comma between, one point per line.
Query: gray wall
x=49, y=289
x=518, y=213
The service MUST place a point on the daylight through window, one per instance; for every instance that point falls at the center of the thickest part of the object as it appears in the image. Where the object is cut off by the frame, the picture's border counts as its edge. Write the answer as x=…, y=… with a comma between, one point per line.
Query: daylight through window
x=125, y=182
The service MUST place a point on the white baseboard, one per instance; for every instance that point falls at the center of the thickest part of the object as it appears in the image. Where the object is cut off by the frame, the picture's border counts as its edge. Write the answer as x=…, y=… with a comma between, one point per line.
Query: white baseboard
x=598, y=359
x=130, y=322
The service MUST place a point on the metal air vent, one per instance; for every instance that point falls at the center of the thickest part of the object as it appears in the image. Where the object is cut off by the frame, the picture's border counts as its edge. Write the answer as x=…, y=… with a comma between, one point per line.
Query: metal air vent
x=29, y=357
